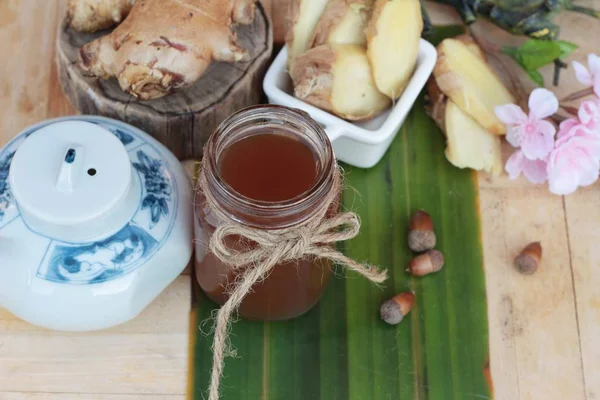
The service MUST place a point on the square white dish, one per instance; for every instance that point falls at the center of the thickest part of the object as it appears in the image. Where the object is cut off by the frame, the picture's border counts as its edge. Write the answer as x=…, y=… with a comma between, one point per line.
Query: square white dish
x=361, y=144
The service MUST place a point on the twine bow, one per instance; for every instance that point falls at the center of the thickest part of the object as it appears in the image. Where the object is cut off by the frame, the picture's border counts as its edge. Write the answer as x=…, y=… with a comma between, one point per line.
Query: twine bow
x=313, y=238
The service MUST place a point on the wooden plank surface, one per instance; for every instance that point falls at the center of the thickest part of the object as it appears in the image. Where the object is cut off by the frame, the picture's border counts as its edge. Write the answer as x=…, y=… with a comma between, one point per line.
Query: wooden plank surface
x=543, y=328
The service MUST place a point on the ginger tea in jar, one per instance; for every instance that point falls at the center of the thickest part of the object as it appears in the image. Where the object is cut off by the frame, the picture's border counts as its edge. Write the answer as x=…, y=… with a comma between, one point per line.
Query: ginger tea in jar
x=268, y=168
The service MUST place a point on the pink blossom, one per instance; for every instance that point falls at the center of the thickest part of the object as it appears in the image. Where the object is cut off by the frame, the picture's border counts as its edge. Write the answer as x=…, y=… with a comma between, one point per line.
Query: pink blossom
x=565, y=127
x=531, y=132
x=575, y=161
x=589, y=114
x=590, y=76
x=534, y=170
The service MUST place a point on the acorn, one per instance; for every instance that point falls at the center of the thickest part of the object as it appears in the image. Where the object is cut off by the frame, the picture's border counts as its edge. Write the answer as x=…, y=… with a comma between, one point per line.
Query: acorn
x=426, y=263
x=421, y=236
x=395, y=309
x=529, y=260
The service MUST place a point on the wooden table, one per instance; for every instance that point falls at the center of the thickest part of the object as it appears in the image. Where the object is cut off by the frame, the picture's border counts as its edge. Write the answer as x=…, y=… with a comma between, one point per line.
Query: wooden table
x=543, y=329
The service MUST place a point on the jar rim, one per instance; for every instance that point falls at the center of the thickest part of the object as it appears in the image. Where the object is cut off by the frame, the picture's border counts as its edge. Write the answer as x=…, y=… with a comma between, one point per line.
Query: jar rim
x=319, y=188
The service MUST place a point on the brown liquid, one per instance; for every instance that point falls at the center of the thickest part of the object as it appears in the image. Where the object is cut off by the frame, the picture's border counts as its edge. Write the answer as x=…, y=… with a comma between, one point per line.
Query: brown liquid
x=266, y=167
x=269, y=167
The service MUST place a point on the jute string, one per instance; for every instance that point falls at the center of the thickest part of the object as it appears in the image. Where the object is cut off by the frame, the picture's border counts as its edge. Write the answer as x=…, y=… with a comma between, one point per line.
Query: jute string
x=312, y=238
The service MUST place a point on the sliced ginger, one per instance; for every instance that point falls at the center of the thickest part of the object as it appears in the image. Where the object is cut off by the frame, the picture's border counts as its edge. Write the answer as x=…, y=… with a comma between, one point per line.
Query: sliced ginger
x=93, y=15
x=338, y=79
x=302, y=18
x=343, y=22
x=469, y=145
x=471, y=84
x=164, y=45
x=393, y=36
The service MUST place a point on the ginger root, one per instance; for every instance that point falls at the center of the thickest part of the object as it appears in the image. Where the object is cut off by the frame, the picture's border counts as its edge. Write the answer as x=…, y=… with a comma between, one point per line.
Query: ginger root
x=93, y=15
x=301, y=20
x=338, y=79
x=343, y=22
x=164, y=45
x=468, y=144
x=471, y=84
x=393, y=36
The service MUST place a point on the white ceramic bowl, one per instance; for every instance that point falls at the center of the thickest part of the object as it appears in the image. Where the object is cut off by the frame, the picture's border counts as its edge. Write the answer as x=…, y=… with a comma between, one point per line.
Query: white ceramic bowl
x=361, y=144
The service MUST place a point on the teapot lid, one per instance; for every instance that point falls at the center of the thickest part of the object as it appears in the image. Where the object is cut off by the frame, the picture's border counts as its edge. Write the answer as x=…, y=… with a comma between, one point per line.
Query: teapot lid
x=70, y=172
x=72, y=181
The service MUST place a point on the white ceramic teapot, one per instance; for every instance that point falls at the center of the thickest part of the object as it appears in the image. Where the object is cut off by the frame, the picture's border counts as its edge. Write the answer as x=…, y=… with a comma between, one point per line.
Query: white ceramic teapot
x=95, y=221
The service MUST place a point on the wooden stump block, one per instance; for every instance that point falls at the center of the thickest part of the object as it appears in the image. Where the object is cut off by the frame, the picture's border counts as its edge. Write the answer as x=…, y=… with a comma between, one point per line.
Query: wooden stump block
x=184, y=120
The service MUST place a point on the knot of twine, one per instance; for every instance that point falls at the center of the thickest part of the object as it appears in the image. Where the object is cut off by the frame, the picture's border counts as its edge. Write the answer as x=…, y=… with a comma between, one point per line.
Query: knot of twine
x=313, y=237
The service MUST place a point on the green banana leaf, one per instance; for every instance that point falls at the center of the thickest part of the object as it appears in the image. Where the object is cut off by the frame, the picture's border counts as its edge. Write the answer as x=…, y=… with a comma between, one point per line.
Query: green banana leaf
x=341, y=350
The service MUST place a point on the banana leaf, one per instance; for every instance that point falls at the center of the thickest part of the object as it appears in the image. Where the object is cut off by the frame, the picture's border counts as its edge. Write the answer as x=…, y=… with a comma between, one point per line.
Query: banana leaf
x=341, y=350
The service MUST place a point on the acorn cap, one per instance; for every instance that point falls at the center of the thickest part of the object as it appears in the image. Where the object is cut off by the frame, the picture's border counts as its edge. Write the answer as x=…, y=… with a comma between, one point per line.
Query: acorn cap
x=393, y=310
x=426, y=263
x=437, y=259
x=419, y=241
x=526, y=264
x=529, y=260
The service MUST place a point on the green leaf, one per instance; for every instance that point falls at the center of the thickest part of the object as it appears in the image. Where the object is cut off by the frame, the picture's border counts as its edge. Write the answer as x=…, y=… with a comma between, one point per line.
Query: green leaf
x=534, y=53
x=565, y=47
x=536, y=77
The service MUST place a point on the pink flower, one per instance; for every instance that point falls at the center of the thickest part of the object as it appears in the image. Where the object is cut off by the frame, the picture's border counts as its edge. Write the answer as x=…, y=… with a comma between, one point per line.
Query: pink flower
x=575, y=161
x=565, y=127
x=589, y=114
x=532, y=133
x=590, y=76
x=534, y=170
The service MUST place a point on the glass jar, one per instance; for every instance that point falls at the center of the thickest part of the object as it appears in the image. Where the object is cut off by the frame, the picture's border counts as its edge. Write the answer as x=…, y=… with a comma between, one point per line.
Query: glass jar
x=260, y=186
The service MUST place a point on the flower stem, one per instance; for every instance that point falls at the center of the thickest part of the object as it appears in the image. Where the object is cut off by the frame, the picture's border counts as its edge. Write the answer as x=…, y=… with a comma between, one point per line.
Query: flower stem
x=558, y=65
x=569, y=109
x=577, y=95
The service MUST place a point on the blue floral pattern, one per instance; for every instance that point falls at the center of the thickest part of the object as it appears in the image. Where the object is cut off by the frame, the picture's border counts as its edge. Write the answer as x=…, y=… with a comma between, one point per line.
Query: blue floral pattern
x=122, y=252
x=5, y=194
x=157, y=187
x=124, y=137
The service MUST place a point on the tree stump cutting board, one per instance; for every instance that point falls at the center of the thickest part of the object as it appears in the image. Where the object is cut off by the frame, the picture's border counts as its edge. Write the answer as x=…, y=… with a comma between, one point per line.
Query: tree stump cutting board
x=184, y=120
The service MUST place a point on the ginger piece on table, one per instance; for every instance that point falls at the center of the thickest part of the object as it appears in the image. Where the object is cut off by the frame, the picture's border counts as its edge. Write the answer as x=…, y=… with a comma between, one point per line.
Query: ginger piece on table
x=164, y=45
x=468, y=144
x=471, y=84
x=93, y=15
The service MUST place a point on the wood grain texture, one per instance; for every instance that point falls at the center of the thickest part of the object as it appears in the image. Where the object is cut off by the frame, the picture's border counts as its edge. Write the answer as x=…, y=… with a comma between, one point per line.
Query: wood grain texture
x=543, y=331
x=184, y=120
x=583, y=236
x=277, y=10
x=146, y=356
